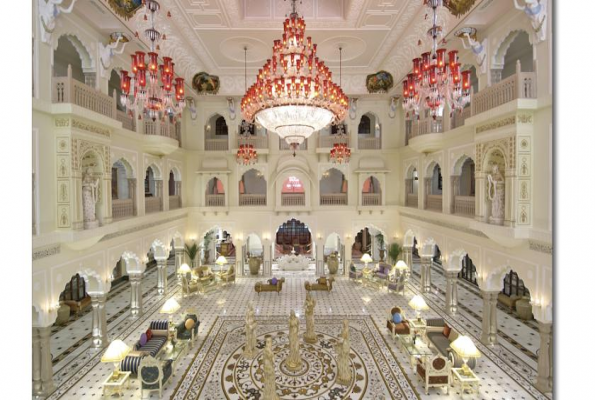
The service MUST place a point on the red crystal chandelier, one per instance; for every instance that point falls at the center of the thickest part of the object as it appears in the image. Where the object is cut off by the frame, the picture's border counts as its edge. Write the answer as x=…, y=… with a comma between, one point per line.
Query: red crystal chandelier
x=294, y=94
x=157, y=97
x=340, y=153
x=246, y=154
x=433, y=81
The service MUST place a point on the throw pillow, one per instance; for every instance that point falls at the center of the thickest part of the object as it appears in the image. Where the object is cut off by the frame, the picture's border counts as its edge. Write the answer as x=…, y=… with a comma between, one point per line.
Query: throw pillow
x=446, y=330
x=143, y=339
x=149, y=334
x=274, y=281
x=189, y=324
x=397, y=318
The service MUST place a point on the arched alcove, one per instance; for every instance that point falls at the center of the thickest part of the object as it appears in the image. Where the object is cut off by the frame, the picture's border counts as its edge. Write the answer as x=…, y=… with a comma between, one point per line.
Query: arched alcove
x=519, y=49
x=70, y=52
x=253, y=188
x=371, y=192
x=215, y=193
x=216, y=133
x=333, y=188
x=293, y=237
x=369, y=132
x=433, y=187
x=123, y=190
x=411, y=187
x=153, y=187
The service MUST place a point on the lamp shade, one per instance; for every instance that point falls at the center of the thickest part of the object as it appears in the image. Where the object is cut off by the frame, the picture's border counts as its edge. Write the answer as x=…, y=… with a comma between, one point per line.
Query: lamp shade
x=221, y=260
x=401, y=265
x=465, y=347
x=418, y=303
x=170, y=307
x=185, y=268
x=116, y=352
x=366, y=258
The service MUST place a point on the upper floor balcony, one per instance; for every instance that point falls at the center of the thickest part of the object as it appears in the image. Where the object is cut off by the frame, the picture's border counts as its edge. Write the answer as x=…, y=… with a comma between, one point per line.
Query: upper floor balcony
x=293, y=199
x=333, y=199
x=283, y=145
x=371, y=199
x=248, y=200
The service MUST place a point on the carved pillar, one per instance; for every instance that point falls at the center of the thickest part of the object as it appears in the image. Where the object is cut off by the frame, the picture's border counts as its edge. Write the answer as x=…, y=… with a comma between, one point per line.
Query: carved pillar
x=37, y=386
x=320, y=257
x=347, y=256
x=545, y=363
x=426, y=274
x=408, y=256
x=106, y=198
x=136, y=295
x=451, y=292
x=44, y=374
x=427, y=191
x=509, y=198
x=77, y=214
x=159, y=193
x=161, y=274
x=179, y=257
x=267, y=259
x=455, y=184
x=99, y=320
x=489, y=325
x=481, y=197
x=132, y=194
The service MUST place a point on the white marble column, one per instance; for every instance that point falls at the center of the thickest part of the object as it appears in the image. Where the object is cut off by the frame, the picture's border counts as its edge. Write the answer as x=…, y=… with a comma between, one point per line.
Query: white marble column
x=43, y=383
x=481, y=212
x=455, y=184
x=320, y=257
x=37, y=386
x=347, y=258
x=99, y=320
x=267, y=258
x=427, y=191
x=136, y=295
x=161, y=274
x=132, y=194
x=426, y=274
x=489, y=324
x=451, y=292
x=408, y=256
x=545, y=364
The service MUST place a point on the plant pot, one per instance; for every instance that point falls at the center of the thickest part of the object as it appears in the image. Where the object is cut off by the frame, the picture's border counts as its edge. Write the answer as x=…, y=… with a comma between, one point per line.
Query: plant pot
x=207, y=255
x=332, y=264
x=382, y=252
x=254, y=264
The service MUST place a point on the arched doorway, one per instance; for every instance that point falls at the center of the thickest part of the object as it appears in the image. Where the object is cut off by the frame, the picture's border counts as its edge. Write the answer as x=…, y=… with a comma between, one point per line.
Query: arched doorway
x=293, y=236
x=369, y=241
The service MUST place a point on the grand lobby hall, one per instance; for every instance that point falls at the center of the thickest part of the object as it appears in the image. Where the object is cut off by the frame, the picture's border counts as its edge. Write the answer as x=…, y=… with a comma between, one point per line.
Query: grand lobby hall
x=281, y=199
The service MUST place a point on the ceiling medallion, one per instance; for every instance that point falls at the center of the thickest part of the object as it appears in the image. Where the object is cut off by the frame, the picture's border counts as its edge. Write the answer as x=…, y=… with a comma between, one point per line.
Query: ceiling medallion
x=434, y=81
x=294, y=94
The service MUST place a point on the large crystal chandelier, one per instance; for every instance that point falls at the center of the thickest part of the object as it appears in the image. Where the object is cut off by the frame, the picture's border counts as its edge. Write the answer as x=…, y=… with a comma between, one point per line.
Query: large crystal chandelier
x=158, y=97
x=433, y=81
x=294, y=94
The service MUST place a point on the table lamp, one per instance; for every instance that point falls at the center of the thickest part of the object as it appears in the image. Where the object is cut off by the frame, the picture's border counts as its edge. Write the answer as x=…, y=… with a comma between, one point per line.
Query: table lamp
x=221, y=261
x=466, y=349
x=115, y=353
x=184, y=269
x=170, y=307
x=418, y=304
x=367, y=259
x=401, y=266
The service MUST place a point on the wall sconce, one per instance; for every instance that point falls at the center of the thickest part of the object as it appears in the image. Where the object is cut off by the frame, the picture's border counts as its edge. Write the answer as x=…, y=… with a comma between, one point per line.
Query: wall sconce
x=209, y=128
x=318, y=236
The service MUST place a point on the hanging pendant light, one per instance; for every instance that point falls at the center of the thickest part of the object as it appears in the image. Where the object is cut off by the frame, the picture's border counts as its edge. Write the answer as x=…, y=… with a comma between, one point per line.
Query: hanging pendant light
x=246, y=154
x=294, y=94
x=340, y=153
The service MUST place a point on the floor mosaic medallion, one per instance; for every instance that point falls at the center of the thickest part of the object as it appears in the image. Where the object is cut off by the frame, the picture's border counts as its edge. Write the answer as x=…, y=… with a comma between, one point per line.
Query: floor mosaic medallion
x=221, y=371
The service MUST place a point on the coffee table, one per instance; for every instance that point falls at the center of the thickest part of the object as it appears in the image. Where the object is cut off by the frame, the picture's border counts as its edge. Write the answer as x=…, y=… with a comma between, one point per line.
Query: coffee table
x=468, y=381
x=116, y=384
x=418, y=326
x=416, y=351
x=175, y=354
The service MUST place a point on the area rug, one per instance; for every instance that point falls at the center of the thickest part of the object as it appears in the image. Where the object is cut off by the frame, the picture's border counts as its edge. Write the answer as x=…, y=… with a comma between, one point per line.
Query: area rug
x=219, y=371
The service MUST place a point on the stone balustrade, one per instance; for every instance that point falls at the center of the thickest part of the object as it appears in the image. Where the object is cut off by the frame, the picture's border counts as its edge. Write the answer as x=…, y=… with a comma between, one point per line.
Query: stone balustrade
x=333, y=199
x=258, y=142
x=175, y=202
x=253, y=199
x=215, y=200
x=465, y=205
x=122, y=208
x=458, y=118
x=153, y=205
x=216, y=144
x=412, y=200
x=128, y=121
x=434, y=202
x=423, y=126
x=293, y=199
x=161, y=128
x=369, y=143
x=371, y=199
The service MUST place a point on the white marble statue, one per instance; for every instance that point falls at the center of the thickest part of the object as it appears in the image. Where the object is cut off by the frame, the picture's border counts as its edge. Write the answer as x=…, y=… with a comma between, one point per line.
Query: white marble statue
x=90, y=189
x=250, y=348
x=294, y=360
x=310, y=335
x=49, y=10
x=392, y=110
x=344, y=362
x=107, y=53
x=536, y=10
x=345, y=330
x=496, y=195
x=270, y=386
x=479, y=51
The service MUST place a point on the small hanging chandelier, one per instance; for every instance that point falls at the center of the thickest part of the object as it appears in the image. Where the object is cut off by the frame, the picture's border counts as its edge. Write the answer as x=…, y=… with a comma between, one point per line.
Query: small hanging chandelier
x=340, y=153
x=294, y=94
x=157, y=99
x=433, y=81
x=246, y=154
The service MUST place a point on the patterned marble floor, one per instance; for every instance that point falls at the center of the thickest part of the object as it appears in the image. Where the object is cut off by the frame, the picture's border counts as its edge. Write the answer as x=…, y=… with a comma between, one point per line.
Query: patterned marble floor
x=505, y=371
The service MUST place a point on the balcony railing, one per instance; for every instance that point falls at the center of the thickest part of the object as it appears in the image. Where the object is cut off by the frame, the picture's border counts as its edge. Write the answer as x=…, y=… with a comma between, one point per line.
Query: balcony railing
x=216, y=144
x=128, y=121
x=423, y=127
x=122, y=208
x=333, y=199
x=521, y=85
x=152, y=205
x=293, y=199
x=458, y=119
x=366, y=143
x=465, y=205
x=253, y=199
x=435, y=202
x=284, y=146
x=259, y=142
x=175, y=202
x=160, y=128
x=326, y=141
x=412, y=200
x=371, y=199
x=68, y=90
x=215, y=200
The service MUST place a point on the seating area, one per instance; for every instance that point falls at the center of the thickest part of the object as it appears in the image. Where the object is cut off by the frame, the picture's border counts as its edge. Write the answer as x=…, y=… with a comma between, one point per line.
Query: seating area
x=271, y=285
x=322, y=284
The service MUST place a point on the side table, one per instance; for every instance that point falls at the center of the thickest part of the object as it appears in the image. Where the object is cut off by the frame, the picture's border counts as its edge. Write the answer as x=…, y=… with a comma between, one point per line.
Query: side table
x=115, y=385
x=466, y=382
x=418, y=326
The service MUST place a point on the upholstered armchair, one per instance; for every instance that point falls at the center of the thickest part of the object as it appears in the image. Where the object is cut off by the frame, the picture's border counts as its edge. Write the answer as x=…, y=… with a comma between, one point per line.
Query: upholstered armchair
x=154, y=374
x=188, y=285
x=397, y=282
x=229, y=275
x=188, y=328
x=205, y=275
x=382, y=271
x=435, y=372
x=401, y=328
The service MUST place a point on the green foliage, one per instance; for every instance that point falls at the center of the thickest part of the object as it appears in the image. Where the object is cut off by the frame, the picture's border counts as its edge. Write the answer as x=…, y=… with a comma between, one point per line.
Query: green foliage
x=380, y=241
x=393, y=252
x=191, y=251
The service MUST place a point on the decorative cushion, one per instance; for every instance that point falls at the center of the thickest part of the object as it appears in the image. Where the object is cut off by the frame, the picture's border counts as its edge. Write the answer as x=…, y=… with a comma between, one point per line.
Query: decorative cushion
x=189, y=323
x=397, y=318
x=274, y=281
x=352, y=268
x=446, y=330
x=159, y=325
x=143, y=339
x=149, y=334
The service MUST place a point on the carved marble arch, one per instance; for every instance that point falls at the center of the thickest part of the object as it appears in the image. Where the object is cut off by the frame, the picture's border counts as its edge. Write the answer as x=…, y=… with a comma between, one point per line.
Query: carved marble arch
x=410, y=171
x=133, y=263
x=495, y=156
x=409, y=238
x=159, y=249
x=83, y=50
x=494, y=280
x=177, y=173
x=370, y=181
x=430, y=169
x=178, y=239
x=382, y=231
x=504, y=42
x=455, y=260
x=92, y=159
x=130, y=173
x=215, y=185
x=156, y=171
x=458, y=165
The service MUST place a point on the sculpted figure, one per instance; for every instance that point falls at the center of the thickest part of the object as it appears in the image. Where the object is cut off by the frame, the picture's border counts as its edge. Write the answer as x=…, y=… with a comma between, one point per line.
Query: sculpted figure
x=270, y=386
x=536, y=10
x=496, y=195
x=294, y=361
x=90, y=189
x=49, y=10
x=250, y=348
x=310, y=335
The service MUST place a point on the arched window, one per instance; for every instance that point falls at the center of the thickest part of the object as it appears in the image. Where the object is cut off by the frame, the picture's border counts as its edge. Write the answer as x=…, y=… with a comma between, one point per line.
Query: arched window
x=119, y=181
x=66, y=54
x=520, y=49
x=251, y=128
x=114, y=84
x=150, y=190
x=215, y=186
x=295, y=235
x=335, y=128
x=365, y=125
x=514, y=286
x=467, y=180
x=371, y=185
x=220, y=126
x=171, y=184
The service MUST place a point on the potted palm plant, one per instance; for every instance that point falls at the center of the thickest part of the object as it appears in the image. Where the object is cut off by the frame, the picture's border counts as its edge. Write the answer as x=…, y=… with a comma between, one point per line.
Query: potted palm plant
x=191, y=252
x=206, y=243
x=393, y=252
